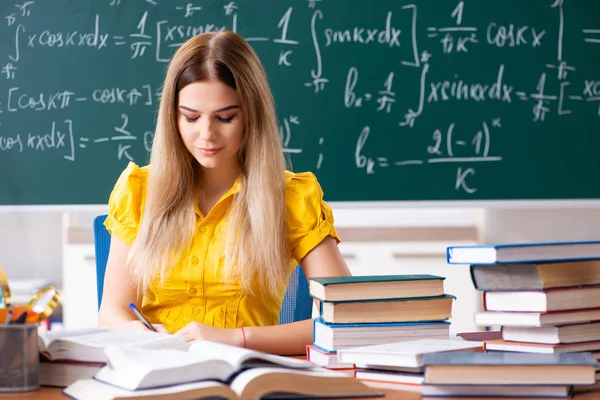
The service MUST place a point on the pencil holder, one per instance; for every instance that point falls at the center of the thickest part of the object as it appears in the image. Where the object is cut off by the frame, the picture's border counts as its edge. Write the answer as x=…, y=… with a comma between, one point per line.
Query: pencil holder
x=19, y=358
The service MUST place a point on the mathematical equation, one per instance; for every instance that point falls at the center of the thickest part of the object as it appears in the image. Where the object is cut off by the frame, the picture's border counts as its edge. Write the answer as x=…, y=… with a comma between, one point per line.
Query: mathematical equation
x=307, y=32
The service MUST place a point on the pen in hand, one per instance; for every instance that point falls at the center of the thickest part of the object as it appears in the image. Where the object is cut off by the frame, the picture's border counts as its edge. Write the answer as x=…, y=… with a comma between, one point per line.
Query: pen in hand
x=139, y=315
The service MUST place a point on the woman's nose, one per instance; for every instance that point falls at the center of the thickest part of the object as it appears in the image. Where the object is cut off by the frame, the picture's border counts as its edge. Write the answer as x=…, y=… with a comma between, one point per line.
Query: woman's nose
x=207, y=131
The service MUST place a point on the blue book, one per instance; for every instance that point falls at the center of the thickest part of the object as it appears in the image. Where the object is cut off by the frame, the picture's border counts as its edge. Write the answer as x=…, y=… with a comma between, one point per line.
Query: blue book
x=508, y=368
x=512, y=253
x=332, y=337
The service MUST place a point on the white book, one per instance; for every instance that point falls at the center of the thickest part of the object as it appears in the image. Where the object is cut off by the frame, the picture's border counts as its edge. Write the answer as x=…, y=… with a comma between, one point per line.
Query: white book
x=136, y=368
x=523, y=252
x=572, y=298
x=497, y=390
x=553, y=334
x=404, y=354
x=325, y=359
x=533, y=319
x=408, y=378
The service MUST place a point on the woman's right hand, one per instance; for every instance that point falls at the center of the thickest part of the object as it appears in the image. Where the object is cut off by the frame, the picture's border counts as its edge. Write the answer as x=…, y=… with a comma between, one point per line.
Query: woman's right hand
x=135, y=325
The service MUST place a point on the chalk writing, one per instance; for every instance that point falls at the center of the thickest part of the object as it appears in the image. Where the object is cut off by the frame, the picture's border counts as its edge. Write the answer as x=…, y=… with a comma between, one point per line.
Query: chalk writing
x=384, y=89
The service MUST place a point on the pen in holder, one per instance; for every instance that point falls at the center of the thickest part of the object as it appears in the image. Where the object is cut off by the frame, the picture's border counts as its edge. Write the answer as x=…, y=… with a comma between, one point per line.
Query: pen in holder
x=19, y=358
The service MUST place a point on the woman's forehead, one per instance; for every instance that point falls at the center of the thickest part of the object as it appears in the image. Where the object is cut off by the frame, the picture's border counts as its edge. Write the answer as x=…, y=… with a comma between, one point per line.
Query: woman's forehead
x=208, y=96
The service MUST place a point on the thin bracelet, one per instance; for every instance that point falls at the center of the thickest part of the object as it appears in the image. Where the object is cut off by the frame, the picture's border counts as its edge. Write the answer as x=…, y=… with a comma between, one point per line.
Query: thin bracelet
x=243, y=335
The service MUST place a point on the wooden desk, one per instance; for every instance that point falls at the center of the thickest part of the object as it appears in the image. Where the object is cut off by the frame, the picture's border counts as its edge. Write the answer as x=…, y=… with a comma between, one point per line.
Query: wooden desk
x=47, y=393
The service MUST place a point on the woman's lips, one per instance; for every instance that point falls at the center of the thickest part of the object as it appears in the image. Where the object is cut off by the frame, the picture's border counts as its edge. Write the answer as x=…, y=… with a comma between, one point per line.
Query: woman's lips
x=209, y=151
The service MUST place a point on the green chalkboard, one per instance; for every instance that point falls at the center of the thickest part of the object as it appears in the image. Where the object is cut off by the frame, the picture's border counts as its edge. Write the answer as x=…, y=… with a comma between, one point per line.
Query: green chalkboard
x=385, y=100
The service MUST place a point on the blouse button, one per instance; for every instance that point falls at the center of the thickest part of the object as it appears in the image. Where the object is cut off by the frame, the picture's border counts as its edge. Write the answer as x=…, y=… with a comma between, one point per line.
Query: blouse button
x=192, y=291
x=196, y=311
x=195, y=260
x=203, y=229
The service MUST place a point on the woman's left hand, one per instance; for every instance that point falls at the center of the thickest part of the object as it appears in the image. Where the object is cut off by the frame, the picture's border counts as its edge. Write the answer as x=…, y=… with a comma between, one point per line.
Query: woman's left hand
x=197, y=331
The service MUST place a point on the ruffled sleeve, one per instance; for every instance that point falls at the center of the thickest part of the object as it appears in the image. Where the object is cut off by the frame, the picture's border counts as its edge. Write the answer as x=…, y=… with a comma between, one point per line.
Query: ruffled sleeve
x=309, y=217
x=126, y=203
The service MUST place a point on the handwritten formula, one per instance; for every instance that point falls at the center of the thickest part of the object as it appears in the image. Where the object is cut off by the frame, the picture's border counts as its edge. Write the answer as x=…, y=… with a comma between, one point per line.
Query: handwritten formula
x=463, y=98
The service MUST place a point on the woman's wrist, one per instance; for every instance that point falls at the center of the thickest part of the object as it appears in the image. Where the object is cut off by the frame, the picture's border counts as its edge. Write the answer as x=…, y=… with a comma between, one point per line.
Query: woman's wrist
x=244, y=343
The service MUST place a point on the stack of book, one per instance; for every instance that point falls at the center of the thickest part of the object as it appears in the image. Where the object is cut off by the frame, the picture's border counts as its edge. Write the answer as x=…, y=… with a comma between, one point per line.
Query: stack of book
x=370, y=310
x=400, y=362
x=545, y=297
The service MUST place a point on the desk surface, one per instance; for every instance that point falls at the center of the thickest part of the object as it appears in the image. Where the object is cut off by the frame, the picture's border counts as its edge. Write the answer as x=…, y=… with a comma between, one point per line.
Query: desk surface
x=401, y=392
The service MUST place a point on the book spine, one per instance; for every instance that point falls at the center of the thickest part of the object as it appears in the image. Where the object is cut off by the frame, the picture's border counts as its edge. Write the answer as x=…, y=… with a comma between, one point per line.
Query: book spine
x=472, y=272
x=485, y=301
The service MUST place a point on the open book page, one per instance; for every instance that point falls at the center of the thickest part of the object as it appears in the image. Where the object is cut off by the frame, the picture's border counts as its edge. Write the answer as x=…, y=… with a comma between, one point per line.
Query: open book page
x=136, y=368
x=47, y=337
x=90, y=347
x=284, y=383
x=238, y=357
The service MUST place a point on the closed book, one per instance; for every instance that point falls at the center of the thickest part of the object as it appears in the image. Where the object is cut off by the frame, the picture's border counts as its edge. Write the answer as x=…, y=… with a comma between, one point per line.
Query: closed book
x=524, y=252
x=332, y=337
x=404, y=354
x=375, y=287
x=574, y=333
x=388, y=310
x=559, y=299
x=535, y=276
x=510, y=369
x=375, y=375
x=497, y=390
x=540, y=348
x=327, y=359
x=488, y=318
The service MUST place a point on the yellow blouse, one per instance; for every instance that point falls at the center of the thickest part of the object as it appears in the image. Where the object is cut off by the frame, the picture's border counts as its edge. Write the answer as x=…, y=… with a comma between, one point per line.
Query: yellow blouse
x=192, y=291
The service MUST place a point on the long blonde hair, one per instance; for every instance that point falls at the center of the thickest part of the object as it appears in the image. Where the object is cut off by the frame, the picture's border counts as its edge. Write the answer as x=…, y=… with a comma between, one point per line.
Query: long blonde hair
x=255, y=232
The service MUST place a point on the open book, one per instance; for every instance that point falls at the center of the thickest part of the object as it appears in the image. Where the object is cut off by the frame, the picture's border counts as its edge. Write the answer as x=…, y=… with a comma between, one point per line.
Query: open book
x=89, y=344
x=256, y=383
x=135, y=368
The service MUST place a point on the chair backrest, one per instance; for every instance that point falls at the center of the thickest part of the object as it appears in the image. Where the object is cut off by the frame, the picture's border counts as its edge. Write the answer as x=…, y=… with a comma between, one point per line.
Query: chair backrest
x=296, y=306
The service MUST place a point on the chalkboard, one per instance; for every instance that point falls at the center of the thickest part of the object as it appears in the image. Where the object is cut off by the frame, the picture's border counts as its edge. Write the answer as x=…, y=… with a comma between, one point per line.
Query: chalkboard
x=385, y=100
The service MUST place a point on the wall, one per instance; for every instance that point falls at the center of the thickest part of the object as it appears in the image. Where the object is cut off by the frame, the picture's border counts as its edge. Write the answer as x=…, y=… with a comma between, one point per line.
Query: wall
x=31, y=245
x=520, y=225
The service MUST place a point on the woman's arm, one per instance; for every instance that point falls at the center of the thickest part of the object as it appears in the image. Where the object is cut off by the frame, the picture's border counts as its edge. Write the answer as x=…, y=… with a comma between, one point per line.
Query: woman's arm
x=289, y=339
x=119, y=290
x=286, y=339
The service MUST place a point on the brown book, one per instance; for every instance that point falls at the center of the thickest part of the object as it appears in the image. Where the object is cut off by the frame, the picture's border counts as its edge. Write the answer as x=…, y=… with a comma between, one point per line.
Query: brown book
x=480, y=336
x=535, y=276
x=388, y=310
x=510, y=369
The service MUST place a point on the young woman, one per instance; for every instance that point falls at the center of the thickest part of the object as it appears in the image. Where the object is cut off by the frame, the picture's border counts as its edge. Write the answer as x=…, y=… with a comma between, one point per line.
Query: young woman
x=205, y=238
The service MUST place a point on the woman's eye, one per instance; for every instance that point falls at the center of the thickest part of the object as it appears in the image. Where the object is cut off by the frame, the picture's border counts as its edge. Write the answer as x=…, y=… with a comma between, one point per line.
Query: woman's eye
x=226, y=120
x=190, y=120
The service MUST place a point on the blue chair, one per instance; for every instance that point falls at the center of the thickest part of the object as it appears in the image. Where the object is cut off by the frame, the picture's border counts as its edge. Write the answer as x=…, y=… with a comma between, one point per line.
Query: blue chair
x=296, y=306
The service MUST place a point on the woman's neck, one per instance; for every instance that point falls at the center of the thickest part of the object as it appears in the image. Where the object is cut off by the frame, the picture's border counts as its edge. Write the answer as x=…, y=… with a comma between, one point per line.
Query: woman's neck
x=215, y=183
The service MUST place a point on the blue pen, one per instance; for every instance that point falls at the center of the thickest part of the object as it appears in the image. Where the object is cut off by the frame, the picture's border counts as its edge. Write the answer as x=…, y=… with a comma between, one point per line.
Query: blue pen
x=141, y=317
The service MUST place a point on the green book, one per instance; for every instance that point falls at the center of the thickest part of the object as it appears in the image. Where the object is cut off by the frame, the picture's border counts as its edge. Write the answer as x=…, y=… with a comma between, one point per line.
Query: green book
x=343, y=288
